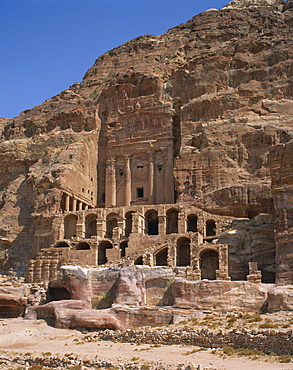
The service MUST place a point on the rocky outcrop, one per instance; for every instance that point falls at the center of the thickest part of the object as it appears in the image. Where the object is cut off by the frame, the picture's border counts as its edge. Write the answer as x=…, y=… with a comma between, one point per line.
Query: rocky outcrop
x=281, y=298
x=219, y=86
x=219, y=295
x=282, y=185
x=73, y=314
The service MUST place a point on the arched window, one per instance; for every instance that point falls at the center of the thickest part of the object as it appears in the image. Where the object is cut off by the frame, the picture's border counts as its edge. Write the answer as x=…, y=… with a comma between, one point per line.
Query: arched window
x=90, y=226
x=192, y=223
x=172, y=222
x=102, y=257
x=183, y=252
x=209, y=263
x=112, y=222
x=162, y=257
x=210, y=228
x=62, y=245
x=152, y=222
x=83, y=246
x=70, y=226
x=123, y=247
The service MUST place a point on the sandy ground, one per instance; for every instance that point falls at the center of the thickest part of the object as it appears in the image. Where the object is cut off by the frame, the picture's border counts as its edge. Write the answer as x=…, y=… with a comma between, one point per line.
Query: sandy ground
x=36, y=337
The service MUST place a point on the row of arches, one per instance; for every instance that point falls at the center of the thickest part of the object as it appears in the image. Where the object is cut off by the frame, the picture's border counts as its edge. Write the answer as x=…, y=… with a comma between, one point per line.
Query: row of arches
x=151, y=225
x=209, y=259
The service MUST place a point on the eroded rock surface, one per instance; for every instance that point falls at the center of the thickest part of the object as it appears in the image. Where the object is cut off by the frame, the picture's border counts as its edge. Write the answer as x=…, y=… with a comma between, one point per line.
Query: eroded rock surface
x=216, y=92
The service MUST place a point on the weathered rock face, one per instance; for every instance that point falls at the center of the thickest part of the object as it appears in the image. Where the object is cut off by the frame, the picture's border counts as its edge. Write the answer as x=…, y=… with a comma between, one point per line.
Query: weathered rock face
x=219, y=295
x=282, y=185
x=210, y=98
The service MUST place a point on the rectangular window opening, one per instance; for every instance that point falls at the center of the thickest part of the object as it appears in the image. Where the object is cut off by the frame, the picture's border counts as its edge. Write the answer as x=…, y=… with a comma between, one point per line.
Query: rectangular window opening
x=139, y=192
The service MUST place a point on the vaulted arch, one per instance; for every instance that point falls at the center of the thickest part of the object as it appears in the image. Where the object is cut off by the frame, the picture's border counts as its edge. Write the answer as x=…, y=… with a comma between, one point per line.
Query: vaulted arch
x=172, y=221
x=70, y=222
x=152, y=222
x=90, y=225
x=102, y=257
x=209, y=263
x=183, y=252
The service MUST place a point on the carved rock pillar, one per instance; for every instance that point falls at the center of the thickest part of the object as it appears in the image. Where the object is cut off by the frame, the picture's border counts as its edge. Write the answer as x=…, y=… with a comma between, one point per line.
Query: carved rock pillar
x=151, y=191
x=67, y=203
x=38, y=271
x=53, y=268
x=182, y=222
x=222, y=273
x=46, y=271
x=127, y=186
x=30, y=272
x=169, y=182
x=162, y=224
x=110, y=184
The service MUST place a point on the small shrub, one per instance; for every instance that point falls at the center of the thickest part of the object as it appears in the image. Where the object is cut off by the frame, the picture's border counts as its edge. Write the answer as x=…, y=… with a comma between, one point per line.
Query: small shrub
x=285, y=359
x=46, y=353
x=267, y=325
x=255, y=318
x=93, y=95
x=229, y=351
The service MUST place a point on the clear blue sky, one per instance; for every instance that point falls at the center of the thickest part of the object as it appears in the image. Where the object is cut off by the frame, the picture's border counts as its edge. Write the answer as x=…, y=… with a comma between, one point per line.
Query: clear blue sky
x=47, y=45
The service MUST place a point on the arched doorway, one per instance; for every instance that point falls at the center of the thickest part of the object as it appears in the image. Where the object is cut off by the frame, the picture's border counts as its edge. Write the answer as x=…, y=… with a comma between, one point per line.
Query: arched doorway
x=102, y=257
x=83, y=246
x=123, y=247
x=183, y=252
x=210, y=228
x=172, y=222
x=70, y=226
x=161, y=258
x=152, y=222
x=209, y=263
x=192, y=223
x=112, y=222
x=90, y=226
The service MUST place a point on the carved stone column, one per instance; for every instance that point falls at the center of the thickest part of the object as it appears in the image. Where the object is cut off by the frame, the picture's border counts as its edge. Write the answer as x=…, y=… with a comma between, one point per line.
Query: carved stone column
x=46, y=271
x=38, y=271
x=30, y=272
x=110, y=184
x=74, y=205
x=169, y=182
x=67, y=203
x=151, y=190
x=127, y=185
x=162, y=224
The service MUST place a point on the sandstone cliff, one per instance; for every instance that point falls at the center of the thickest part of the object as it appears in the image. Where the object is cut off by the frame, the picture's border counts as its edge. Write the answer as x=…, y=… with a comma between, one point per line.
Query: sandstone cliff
x=224, y=79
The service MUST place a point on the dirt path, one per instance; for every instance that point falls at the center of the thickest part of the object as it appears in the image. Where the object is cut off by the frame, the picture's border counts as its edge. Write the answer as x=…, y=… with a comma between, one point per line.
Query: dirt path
x=36, y=337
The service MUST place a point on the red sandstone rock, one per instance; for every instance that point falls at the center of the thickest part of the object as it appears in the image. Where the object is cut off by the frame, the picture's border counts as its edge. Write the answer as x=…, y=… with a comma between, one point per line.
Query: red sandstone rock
x=220, y=295
x=280, y=298
x=217, y=90
x=12, y=306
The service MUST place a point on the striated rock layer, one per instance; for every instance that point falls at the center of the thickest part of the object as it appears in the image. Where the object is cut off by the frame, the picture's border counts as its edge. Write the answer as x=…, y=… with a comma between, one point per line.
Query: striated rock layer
x=215, y=93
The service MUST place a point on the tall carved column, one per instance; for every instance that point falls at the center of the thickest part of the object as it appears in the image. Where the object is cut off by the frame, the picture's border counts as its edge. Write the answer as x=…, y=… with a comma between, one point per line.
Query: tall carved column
x=67, y=203
x=127, y=185
x=151, y=192
x=169, y=182
x=74, y=205
x=110, y=184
